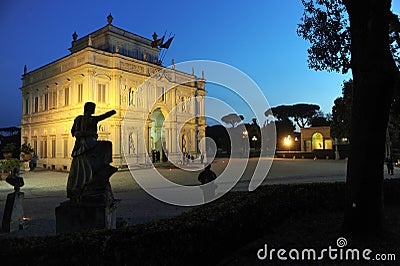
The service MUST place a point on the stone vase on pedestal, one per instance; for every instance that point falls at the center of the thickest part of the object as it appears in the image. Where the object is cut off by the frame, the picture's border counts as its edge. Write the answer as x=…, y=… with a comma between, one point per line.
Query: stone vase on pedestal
x=13, y=212
x=13, y=216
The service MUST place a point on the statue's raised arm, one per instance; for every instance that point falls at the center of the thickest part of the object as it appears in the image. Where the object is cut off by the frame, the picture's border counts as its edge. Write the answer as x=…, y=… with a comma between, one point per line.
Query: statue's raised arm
x=105, y=115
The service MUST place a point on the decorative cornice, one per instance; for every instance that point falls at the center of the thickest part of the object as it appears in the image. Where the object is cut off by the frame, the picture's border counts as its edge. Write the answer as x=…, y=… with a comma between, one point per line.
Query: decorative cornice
x=96, y=58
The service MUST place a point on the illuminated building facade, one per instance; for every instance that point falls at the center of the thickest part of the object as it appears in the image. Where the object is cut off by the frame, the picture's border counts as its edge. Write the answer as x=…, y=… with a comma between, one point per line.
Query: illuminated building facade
x=108, y=67
x=316, y=138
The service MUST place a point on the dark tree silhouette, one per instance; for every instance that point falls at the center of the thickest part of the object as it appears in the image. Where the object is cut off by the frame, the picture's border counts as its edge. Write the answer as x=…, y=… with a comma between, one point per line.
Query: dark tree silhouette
x=341, y=115
x=232, y=119
x=283, y=125
x=10, y=131
x=301, y=113
x=10, y=135
x=361, y=43
x=220, y=136
x=320, y=119
x=284, y=128
x=254, y=130
x=394, y=128
x=341, y=112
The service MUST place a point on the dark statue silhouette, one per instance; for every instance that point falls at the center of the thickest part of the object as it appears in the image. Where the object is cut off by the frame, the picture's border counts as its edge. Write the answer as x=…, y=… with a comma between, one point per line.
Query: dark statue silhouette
x=90, y=170
x=91, y=204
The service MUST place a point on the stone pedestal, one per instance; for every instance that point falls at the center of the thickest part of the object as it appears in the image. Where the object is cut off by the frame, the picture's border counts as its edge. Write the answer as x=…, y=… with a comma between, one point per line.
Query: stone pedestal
x=92, y=204
x=75, y=217
x=13, y=212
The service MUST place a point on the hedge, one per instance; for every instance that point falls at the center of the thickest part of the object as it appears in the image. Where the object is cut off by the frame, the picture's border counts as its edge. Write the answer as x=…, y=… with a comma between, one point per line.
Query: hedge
x=200, y=236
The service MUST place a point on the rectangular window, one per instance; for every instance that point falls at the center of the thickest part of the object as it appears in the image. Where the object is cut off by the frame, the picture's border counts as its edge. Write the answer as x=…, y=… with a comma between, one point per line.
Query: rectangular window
x=101, y=93
x=66, y=96
x=36, y=104
x=80, y=93
x=46, y=102
x=65, y=148
x=43, y=148
x=35, y=147
x=53, y=148
x=50, y=100
x=53, y=100
x=26, y=106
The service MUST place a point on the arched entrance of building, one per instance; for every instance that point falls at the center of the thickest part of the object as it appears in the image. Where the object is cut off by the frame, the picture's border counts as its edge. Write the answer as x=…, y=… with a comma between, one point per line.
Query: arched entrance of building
x=317, y=141
x=157, y=135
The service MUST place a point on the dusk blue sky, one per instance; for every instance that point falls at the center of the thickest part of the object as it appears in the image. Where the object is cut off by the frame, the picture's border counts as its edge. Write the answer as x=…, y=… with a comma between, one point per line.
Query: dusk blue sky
x=257, y=37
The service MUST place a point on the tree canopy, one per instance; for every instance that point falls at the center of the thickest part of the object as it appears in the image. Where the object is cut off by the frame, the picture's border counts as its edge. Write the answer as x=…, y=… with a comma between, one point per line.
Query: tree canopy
x=325, y=24
x=301, y=113
x=341, y=112
x=232, y=119
x=10, y=131
x=321, y=119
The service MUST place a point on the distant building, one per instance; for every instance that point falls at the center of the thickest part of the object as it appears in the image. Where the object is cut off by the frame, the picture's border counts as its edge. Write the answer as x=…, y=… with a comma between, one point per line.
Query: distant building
x=316, y=138
x=107, y=67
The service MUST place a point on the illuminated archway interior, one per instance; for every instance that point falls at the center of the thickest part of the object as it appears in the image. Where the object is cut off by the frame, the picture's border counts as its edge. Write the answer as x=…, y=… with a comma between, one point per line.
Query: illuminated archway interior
x=317, y=141
x=157, y=130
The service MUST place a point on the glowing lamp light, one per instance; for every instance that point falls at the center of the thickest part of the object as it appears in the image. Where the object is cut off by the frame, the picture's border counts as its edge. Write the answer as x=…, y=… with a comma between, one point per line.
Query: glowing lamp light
x=287, y=141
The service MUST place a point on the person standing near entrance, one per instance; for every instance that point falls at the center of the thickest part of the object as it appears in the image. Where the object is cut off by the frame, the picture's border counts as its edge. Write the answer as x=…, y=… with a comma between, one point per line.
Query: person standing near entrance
x=390, y=165
x=206, y=178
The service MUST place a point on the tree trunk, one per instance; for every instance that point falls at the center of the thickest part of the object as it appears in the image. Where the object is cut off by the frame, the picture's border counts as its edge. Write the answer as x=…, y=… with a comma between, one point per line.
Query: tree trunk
x=374, y=75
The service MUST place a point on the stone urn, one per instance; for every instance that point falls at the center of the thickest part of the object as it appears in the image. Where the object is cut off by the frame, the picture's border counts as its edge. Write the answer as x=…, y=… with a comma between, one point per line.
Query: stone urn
x=26, y=156
x=4, y=175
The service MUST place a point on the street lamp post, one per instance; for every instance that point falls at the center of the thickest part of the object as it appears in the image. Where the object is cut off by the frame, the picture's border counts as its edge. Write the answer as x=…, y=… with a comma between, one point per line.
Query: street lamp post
x=245, y=136
x=254, y=139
